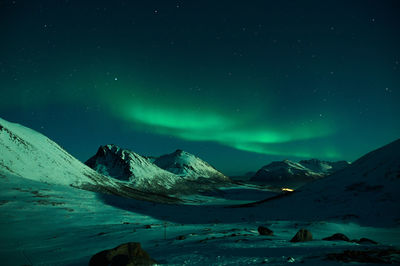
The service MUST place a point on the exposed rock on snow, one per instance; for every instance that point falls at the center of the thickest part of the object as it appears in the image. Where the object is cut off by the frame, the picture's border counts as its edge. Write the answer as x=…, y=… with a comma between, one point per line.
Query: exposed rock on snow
x=302, y=235
x=183, y=172
x=366, y=241
x=181, y=237
x=337, y=237
x=262, y=230
x=138, y=171
x=126, y=254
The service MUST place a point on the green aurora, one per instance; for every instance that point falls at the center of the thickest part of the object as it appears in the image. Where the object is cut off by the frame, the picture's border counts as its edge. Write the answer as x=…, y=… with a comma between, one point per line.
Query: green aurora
x=237, y=84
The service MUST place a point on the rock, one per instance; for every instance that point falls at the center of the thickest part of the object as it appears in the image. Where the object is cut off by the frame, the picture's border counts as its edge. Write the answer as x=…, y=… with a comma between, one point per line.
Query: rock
x=379, y=256
x=366, y=241
x=126, y=254
x=337, y=237
x=265, y=231
x=302, y=235
x=181, y=237
x=290, y=259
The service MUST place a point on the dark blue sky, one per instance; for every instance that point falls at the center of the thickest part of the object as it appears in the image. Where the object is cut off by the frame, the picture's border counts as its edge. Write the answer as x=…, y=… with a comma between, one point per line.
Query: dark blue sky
x=238, y=83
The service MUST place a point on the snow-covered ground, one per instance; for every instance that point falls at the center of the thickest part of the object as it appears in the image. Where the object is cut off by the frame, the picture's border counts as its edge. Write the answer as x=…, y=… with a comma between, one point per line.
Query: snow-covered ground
x=49, y=224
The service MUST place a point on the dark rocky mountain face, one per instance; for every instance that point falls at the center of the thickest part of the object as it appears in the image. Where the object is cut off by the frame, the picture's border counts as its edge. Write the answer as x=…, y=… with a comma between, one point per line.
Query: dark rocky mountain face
x=109, y=160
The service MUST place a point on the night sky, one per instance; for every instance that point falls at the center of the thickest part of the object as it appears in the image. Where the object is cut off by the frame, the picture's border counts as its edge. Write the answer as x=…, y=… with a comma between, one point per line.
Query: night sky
x=238, y=83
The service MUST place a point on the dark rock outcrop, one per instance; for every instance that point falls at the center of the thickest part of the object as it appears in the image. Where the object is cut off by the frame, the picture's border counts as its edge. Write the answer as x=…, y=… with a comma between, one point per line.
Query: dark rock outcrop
x=366, y=241
x=337, y=237
x=126, y=254
x=302, y=235
x=265, y=231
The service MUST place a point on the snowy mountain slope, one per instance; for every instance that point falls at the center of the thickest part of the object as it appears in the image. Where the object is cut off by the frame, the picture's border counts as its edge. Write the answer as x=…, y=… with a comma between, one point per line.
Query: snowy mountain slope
x=324, y=167
x=125, y=165
x=293, y=174
x=31, y=155
x=285, y=173
x=367, y=190
x=188, y=166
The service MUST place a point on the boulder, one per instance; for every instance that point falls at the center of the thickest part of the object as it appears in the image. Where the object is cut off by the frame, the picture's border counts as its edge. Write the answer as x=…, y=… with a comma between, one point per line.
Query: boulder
x=366, y=241
x=129, y=254
x=302, y=235
x=337, y=237
x=181, y=237
x=265, y=231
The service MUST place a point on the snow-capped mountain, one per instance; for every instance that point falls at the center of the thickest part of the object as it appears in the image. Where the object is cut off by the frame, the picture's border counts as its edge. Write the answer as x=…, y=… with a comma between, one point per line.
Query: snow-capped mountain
x=31, y=155
x=125, y=165
x=183, y=172
x=324, y=167
x=368, y=190
x=189, y=166
x=293, y=174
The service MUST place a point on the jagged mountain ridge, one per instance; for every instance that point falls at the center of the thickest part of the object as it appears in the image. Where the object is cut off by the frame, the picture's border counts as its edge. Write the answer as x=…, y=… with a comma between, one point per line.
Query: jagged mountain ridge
x=188, y=166
x=295, y=174
x=31, y=155
x=131, y=167
x=142, y=173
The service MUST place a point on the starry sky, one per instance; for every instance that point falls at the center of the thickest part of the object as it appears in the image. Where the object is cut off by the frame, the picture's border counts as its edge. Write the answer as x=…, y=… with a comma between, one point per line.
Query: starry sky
x=238, y=83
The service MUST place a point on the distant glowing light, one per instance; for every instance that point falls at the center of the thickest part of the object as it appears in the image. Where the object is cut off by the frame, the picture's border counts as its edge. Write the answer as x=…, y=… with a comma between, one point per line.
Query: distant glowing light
x=285, y=189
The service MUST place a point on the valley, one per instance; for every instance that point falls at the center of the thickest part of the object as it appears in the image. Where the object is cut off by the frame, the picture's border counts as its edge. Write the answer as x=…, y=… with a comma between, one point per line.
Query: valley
x=54, y=210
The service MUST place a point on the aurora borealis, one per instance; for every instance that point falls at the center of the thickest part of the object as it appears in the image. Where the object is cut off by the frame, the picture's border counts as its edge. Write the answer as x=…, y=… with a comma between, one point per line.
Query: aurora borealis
x=237, y=83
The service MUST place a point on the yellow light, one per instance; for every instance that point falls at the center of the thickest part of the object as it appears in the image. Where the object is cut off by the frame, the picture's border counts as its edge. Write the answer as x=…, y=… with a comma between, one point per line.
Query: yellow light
x=287, y=189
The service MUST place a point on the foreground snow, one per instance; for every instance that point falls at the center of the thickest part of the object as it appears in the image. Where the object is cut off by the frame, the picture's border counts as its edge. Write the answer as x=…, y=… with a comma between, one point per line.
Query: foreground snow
x=46, y=220
x=48, y=224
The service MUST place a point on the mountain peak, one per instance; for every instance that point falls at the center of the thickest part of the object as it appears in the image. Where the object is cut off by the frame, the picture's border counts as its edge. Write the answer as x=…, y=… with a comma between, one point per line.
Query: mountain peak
x=114, y=161
x=178, y=152
x=188, y=166
x=295, y=174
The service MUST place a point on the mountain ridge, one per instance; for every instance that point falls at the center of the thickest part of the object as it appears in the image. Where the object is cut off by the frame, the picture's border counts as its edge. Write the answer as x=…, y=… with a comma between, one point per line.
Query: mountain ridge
x=31, y=155
x=295, y=174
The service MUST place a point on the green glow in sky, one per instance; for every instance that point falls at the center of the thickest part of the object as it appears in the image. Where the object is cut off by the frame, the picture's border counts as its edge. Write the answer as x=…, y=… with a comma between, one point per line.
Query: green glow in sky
x=235, y=131
x=175, y=118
